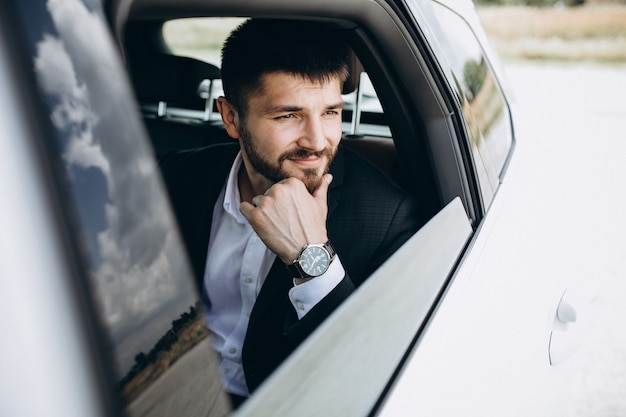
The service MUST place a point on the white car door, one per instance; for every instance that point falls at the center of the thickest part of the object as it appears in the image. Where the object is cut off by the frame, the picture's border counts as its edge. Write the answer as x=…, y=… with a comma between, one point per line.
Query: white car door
x=499, y=342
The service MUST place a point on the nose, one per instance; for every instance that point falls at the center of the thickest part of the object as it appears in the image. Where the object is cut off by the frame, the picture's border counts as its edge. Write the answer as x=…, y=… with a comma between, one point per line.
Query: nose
x=313, y=135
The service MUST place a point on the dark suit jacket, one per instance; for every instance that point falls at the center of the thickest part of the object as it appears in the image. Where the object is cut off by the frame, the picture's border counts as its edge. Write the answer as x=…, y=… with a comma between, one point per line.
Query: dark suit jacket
x=369, y=217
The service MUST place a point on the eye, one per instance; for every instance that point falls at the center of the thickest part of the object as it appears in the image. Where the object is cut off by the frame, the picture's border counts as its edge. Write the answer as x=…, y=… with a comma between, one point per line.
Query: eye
x=286, y=116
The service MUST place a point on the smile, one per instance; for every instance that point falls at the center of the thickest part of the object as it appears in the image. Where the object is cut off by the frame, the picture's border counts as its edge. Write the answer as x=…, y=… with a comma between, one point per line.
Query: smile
x=309, y=162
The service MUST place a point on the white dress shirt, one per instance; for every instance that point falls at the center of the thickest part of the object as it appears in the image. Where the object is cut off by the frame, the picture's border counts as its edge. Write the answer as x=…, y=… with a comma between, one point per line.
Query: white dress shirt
x=237, y=264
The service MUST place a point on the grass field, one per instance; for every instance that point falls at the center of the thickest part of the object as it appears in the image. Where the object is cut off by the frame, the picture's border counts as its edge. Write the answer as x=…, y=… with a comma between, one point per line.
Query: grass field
x=590, y=33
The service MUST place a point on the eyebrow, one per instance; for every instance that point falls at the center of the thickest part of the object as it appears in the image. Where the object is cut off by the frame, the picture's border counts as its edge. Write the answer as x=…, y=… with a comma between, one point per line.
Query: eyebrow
x=291, y=108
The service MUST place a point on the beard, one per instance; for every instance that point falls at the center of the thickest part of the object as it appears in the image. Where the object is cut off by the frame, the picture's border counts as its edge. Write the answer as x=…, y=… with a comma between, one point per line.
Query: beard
x=274, y=171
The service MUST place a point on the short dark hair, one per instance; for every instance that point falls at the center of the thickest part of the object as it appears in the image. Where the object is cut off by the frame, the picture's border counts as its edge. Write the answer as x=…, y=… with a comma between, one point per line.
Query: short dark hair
x=315, y=51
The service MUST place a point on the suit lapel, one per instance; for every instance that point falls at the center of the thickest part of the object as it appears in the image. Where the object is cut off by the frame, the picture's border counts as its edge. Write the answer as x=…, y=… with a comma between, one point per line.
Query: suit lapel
x=274, y=290
x=337, y=170
x=219, y=160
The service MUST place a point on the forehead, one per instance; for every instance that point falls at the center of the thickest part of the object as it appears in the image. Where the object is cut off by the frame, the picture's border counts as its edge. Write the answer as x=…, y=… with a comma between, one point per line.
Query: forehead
x=279, y=86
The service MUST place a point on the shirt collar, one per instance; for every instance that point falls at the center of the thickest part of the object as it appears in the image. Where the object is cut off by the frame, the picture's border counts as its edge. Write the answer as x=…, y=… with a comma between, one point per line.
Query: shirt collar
x=232, y=197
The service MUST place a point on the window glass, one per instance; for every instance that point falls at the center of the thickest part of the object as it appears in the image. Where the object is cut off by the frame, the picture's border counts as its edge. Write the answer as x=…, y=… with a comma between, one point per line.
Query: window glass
x=200, y=38
x=482, y=104
x=134, y=266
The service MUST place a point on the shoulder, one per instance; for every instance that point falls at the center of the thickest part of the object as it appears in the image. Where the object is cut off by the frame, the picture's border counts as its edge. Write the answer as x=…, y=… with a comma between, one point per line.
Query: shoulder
x=370, y=215
x=357, y=175
x=362, y=192
x=190, y=159
x=186, y=172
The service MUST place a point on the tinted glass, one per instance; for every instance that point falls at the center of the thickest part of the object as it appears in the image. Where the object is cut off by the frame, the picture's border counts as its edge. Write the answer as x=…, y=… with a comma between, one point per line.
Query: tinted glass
x=134, y=265
x=477, y=92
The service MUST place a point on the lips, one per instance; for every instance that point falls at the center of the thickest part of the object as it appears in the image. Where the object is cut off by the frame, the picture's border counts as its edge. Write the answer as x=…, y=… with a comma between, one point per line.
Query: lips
x=307, y=157
x=308, y=162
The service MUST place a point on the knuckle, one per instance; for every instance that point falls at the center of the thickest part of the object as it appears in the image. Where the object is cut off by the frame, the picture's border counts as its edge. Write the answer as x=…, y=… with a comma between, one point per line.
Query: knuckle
x=256, y=216
x=260, y=201
x=290, y=183
x=281, y=189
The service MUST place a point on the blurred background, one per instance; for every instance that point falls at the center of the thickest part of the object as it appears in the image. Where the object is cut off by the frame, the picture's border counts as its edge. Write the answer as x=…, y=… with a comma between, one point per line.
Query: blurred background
x=556, y=30
x=566, y=63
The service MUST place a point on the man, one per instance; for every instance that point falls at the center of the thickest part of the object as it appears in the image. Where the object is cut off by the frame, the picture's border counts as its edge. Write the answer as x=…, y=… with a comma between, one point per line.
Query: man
x=282, y=226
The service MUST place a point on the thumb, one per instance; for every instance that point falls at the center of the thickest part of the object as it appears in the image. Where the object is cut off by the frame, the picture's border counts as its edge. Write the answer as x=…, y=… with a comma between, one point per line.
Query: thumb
x=322, y=190
x=246, y=208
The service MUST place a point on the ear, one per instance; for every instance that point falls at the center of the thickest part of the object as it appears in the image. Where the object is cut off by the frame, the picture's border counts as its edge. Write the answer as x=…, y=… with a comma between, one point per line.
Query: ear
x=230, y=117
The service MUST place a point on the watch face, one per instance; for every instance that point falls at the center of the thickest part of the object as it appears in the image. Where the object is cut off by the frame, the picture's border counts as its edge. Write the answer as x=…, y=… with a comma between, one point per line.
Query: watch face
x=314, y=260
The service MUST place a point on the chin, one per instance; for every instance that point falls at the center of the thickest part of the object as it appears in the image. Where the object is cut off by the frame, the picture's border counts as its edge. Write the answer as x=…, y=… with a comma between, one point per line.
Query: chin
x=312, y=182
x=311, y=177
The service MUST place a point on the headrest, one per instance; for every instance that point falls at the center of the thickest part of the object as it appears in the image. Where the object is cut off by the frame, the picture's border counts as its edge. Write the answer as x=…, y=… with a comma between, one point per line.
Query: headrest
x=355, y=68
x=170, y=78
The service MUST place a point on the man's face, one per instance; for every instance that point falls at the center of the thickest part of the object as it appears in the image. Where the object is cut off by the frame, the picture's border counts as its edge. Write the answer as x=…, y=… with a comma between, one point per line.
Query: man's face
x=291, y=129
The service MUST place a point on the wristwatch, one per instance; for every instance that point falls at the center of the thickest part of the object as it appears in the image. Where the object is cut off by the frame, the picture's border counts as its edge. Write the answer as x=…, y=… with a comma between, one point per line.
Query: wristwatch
x=312, y=261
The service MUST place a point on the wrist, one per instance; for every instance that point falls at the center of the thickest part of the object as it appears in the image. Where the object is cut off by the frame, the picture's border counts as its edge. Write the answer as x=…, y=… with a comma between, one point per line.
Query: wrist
x=293, y=255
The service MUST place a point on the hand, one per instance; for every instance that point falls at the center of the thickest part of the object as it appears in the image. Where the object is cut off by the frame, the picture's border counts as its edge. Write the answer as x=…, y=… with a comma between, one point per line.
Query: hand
x=287, y=216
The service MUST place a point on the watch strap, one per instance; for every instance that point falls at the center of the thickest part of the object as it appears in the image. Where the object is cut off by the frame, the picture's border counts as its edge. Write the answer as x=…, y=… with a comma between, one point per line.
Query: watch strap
x=296, y=270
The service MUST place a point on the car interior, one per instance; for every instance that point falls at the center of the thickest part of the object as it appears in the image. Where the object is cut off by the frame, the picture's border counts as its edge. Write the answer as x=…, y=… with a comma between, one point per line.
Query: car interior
x=408, y=112
x=165, y=81
x=177, y=93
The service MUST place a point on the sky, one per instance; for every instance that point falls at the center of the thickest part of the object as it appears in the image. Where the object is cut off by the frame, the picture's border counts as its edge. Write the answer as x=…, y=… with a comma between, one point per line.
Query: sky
x=136, y=265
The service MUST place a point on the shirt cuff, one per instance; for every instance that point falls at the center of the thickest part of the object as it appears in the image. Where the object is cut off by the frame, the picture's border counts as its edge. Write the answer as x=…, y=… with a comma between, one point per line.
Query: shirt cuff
x=306, y=295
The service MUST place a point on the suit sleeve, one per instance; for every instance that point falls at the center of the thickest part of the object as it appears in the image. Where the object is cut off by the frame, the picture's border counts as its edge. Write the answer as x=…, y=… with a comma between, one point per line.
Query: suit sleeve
x=402, y=225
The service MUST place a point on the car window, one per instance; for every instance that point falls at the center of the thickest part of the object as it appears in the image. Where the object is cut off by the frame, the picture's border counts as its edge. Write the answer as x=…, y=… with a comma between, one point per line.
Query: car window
x=135, y=273
x=201, y=38
x=482, y=104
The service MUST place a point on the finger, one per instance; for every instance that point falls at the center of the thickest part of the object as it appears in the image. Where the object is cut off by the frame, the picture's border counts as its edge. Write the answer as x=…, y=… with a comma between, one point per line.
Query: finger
x=322, y=190
x=256, y=200
x=246, y=208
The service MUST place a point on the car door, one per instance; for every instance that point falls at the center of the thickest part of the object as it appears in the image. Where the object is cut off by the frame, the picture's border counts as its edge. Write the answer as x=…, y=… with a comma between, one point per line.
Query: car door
x=500, y=340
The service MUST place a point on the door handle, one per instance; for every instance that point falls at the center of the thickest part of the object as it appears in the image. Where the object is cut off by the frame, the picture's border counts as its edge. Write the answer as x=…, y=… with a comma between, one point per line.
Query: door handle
x=565, y=312
x=565, y=335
